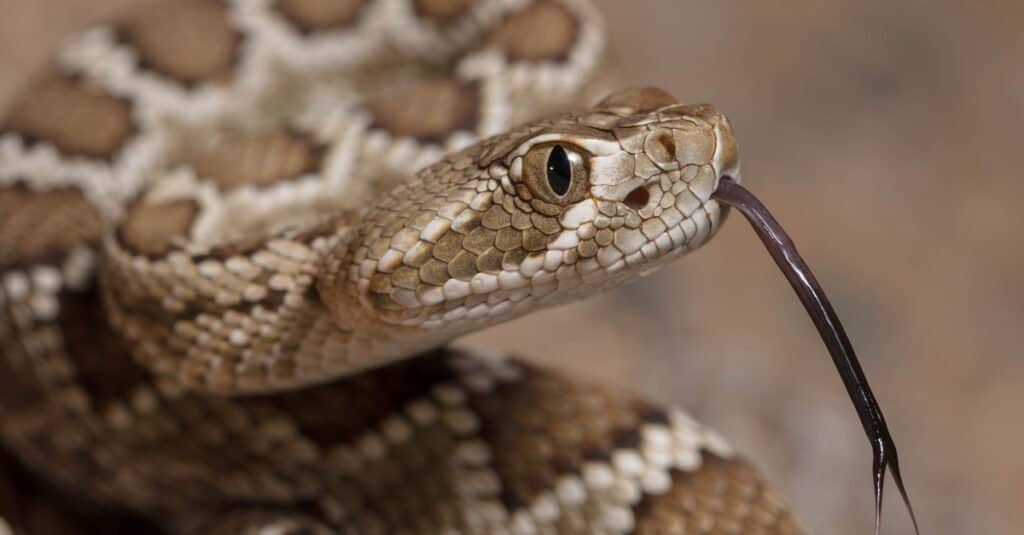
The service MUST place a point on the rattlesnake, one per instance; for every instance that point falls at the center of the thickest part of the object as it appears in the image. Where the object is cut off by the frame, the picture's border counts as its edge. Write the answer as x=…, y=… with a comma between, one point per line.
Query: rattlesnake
x=225, y=290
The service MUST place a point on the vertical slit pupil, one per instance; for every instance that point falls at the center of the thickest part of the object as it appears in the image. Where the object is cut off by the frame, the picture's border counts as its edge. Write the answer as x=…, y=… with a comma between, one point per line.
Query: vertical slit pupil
x=559, y=171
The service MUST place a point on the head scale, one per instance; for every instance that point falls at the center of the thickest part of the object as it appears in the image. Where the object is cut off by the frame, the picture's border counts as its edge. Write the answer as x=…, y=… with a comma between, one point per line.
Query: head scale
x=550, y=212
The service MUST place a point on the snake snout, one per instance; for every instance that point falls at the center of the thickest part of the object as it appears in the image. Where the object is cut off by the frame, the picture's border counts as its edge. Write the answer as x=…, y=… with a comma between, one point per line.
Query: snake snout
x=700, y=135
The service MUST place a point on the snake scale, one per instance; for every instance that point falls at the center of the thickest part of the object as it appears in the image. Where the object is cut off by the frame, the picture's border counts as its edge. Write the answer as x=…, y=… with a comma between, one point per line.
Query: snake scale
x=236, y=237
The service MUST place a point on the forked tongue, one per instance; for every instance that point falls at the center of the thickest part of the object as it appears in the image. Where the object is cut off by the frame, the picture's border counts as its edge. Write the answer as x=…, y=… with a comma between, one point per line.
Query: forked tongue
x=784, y=253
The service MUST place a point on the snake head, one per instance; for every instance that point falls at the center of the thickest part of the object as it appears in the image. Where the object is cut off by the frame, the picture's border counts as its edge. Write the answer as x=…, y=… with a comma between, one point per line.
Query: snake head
x=547, y=213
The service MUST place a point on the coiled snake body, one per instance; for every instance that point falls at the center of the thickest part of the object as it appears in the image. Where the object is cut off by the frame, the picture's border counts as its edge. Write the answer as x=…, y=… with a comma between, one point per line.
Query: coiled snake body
x=217, y=259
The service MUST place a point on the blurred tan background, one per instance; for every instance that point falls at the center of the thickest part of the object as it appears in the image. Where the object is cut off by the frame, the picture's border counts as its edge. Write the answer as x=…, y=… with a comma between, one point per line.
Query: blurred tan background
x=886, y=136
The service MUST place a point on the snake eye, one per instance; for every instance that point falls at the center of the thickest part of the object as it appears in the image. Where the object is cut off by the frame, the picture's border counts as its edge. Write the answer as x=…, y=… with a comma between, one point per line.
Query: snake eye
x=559, y=171
x=556, y=173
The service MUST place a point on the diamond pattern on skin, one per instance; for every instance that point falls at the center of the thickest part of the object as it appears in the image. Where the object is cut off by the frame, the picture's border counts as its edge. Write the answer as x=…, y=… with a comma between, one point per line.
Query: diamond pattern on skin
x=248, y=343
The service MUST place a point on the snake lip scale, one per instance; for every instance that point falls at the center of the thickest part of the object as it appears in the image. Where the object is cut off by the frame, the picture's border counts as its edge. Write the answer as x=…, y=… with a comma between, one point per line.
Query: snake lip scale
x=237, y=237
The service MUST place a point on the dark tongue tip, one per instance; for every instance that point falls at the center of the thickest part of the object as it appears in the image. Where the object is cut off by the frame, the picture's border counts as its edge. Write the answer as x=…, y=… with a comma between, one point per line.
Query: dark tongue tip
x=799, y=275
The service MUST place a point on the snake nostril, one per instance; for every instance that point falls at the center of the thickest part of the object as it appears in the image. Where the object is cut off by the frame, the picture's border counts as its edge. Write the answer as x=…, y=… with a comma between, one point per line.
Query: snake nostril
x=637, y=198
x=668, y=145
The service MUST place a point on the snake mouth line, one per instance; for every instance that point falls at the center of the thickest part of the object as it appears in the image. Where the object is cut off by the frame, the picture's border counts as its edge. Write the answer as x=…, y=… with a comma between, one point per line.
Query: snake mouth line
x=812, y=296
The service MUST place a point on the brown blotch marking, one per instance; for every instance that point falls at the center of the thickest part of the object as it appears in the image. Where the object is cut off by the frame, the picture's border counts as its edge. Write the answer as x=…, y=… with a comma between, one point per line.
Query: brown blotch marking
x=189, y=41
x=544, y=427
x=429, y=110
x=309, y=16
x=723, y=495
x=78, y=119
x=442, y=11
x=339, y=412
x=151, y=229
x=544, y=31
x=260, y=160
x=43, y=226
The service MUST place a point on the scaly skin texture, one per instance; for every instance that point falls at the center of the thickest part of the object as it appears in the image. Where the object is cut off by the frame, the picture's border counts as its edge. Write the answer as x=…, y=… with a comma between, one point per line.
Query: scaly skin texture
x=480, y=238
x=225, y=290
x=473, y=240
